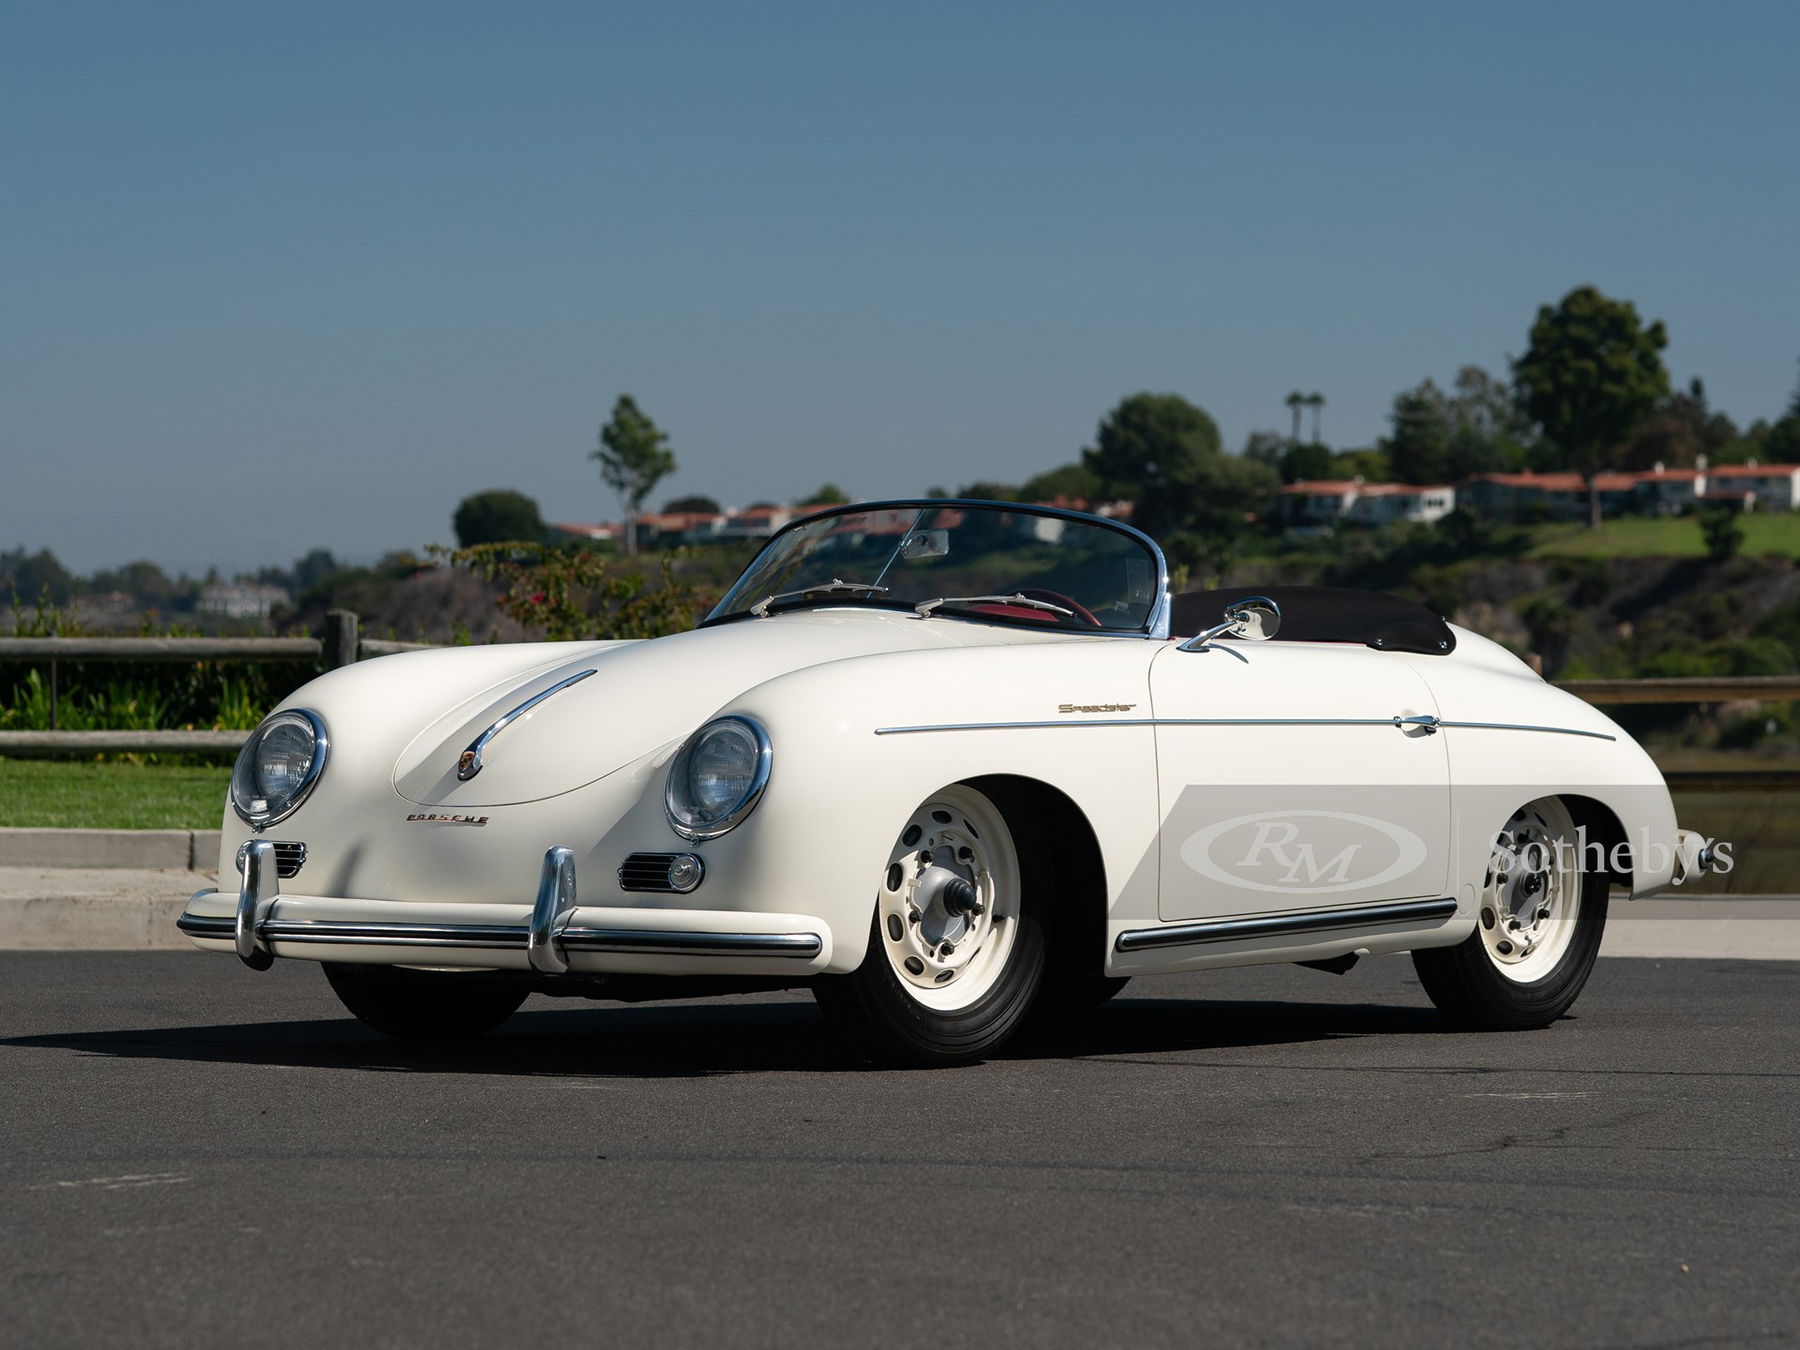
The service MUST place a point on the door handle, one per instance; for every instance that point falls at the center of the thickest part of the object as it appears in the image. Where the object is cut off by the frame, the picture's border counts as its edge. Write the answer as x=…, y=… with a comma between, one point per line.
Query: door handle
x=1428, y=722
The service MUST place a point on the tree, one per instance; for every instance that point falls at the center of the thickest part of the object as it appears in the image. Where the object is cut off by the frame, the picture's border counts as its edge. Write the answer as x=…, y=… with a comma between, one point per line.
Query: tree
x=1303, y=462
x=32, y=578
x=1265, y=447
x=1590, y=375
x=986, y=490
x=1295, y=401
x=1724, y=536
x=1487, y=432
x=695, y=503
x=1163, y=453
x=826, y=494
x=144, y=581
x=316, y=566
x=634, y=457
x=1781, y=444
x=498, y=516
x=1316, y=402
x=1074, y=482
x=1419, y=449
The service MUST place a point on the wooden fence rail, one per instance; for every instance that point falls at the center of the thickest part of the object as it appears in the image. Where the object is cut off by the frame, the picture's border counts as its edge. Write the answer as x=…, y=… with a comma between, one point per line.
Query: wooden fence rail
x=342, y=643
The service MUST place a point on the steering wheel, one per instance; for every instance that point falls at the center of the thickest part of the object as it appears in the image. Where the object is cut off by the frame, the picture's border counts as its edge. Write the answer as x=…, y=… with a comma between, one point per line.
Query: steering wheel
x=1058, y=598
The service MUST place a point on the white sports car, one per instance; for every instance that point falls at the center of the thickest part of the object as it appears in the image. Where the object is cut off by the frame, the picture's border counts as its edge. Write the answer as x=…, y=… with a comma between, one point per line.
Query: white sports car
x=941, y=761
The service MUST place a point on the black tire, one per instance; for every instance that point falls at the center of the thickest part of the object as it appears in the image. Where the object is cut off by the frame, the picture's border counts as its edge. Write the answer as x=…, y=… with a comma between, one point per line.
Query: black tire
x=425, y=1005
x=1470, y=983
x=899, y=1016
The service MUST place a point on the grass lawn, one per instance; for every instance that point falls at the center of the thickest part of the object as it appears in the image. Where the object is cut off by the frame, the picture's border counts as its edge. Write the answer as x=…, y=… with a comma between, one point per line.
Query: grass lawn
x=59, y=794
x=1764, y=829
x=1665, y=537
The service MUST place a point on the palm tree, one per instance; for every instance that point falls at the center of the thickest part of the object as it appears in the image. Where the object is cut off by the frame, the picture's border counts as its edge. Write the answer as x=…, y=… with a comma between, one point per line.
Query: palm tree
x=1295, y=402
x=1316, y=402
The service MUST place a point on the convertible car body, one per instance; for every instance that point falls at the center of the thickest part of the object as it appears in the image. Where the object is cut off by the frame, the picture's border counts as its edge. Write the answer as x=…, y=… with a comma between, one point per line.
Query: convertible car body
x=945, y=762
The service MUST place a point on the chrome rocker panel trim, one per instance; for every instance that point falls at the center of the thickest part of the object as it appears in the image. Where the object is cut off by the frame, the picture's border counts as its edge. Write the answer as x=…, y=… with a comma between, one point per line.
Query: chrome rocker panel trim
x=1284, y=925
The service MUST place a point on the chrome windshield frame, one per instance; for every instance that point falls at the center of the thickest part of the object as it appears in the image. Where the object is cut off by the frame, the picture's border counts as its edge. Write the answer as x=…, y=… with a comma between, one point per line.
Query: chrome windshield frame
x=1156, y=626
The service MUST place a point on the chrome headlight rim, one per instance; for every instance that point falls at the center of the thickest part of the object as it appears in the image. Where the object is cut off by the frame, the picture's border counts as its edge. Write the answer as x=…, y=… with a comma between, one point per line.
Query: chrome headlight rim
x=261, y=820
x=680, y=813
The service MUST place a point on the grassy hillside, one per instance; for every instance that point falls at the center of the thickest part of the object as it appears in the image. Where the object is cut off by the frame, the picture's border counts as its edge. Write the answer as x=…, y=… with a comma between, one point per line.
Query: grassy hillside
x=1664, y=537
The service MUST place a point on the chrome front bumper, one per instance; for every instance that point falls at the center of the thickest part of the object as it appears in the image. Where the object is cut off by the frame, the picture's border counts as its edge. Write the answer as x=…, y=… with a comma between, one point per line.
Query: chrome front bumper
x=555, y=936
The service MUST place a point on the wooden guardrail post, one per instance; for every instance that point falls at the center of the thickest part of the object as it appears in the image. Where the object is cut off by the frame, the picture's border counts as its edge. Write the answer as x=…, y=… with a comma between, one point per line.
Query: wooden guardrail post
x=340, y=642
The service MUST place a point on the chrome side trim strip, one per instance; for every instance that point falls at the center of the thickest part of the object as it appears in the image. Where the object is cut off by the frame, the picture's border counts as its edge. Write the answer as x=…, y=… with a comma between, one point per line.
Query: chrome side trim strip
x=506, y=937
x=1227, y=722
x=1518, y=726
x=1283, y=925
x=1146, y=722
x=469, y=764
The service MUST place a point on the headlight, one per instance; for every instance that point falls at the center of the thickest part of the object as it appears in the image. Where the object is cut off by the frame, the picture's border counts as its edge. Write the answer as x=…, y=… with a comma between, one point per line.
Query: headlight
x=716, y=778
x=278, y=766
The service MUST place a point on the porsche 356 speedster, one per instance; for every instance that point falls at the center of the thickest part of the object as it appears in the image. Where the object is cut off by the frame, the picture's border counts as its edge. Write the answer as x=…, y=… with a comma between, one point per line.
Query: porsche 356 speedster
x=943, y=762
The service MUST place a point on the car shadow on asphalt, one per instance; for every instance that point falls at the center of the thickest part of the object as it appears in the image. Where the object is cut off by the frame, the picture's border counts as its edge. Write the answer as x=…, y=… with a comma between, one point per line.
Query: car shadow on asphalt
x=725, y=1037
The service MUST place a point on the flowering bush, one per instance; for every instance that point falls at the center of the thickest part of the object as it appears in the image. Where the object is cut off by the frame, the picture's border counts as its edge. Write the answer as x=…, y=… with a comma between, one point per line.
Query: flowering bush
x=580, y=594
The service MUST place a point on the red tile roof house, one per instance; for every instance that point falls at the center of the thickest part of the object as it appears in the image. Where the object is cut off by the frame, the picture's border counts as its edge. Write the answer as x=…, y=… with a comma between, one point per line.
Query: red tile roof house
x=1384, y=503
x=1545, y=496
x=1777, y=486
x=1669, y=492
x=1318, y=503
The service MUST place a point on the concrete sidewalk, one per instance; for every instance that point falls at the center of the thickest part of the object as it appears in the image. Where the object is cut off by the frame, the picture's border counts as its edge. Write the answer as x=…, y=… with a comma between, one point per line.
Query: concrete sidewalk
x=94, y=908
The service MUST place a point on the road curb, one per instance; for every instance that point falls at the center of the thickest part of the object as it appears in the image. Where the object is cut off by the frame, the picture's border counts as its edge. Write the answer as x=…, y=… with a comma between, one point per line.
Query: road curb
x=141, y=850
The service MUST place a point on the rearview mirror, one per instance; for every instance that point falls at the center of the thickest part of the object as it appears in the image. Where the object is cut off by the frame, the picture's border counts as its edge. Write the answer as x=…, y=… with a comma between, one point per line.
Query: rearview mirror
x=925, y=544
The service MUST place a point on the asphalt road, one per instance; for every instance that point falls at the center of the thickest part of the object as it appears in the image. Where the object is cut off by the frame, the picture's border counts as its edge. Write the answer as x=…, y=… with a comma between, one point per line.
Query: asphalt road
x=198, y=1155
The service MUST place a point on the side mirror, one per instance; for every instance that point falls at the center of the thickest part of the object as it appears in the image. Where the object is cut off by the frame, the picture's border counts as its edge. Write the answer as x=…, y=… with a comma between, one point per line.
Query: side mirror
x=1256, y=618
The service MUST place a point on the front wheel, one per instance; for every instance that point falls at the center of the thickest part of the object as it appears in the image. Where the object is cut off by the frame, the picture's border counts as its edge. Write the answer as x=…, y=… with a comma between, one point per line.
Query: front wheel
x=424, y=1005
x=955, y=953
x=1536, y=935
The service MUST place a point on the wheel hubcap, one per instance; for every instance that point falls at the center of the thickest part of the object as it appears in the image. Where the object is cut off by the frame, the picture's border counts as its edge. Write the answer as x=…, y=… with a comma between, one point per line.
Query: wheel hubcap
x=1533, y=891
x=947, y=899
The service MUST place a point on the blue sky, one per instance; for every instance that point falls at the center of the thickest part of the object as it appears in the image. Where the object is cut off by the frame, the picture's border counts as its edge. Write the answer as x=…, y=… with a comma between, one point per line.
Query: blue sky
x=285, y=276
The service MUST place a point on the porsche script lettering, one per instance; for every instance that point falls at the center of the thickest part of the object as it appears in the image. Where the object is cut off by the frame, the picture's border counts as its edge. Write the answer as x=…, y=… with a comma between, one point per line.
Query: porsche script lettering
x=1094, y=707
x=432, y=816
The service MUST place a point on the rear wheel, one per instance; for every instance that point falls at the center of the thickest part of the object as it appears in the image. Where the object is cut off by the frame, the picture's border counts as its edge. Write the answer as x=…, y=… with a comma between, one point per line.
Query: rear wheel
x=424, y=1005
x=955, y=953
x=1537, y=932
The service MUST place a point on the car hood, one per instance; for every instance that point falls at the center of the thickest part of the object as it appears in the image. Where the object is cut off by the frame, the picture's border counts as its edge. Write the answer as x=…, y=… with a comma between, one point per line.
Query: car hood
x=643, y=696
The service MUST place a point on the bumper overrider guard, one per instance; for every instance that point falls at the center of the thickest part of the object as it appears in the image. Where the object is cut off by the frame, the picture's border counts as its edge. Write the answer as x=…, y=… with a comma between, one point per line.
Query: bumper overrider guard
x=546, y=939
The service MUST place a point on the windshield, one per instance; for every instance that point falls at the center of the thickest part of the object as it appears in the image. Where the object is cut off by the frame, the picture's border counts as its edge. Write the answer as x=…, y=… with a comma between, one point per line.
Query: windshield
x=958, y=559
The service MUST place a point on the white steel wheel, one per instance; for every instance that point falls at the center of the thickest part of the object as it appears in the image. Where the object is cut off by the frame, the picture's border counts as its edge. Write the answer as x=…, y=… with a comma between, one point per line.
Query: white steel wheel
x=1538, y=927
x=948, y=907
x=955, y=955
x=1532, y=896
